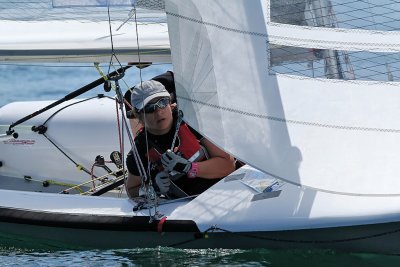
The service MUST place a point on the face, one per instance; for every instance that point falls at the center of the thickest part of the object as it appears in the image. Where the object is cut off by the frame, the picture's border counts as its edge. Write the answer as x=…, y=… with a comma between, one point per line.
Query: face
x=160, y=120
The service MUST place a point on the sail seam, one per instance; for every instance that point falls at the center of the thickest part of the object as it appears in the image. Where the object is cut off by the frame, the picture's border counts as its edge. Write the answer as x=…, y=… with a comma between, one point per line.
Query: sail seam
x=306, y=123
x=391, y=47
x=217, y=25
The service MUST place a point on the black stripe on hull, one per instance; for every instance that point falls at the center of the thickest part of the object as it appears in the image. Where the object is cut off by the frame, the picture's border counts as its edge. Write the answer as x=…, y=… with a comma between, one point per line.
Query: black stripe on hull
x=94, y=222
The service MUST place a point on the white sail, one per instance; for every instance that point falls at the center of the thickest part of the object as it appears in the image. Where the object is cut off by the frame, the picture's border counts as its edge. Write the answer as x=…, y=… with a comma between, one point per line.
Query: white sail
x=336, y=135
x=79, y=31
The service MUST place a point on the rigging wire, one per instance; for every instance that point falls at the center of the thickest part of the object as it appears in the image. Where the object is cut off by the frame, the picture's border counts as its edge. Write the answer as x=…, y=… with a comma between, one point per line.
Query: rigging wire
x=136, y=155
x=112, y=42
x=150, y=195
x=141, y=81
x=79, y=166
x=120, y=98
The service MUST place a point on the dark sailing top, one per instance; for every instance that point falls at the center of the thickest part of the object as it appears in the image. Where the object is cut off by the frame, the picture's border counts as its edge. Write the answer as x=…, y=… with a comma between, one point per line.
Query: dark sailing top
x=188, y=139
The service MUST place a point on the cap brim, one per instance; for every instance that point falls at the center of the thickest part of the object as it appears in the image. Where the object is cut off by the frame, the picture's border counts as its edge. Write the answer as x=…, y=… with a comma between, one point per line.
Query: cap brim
x=149, y=98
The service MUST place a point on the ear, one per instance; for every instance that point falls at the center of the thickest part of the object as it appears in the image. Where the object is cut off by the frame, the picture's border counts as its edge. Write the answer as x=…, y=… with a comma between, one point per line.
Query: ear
x=173, y=106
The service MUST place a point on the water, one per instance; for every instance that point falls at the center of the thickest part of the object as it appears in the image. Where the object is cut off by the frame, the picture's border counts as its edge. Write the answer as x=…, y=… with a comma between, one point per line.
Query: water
x=52, y=82
x=22, y=82
x=179, y=257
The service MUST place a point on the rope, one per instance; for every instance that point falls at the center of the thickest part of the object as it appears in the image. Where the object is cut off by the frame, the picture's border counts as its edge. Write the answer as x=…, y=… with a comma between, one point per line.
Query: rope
x=93, y=180
x=92, y=176
x=119, y=128
x=115, y=87
x=78, y=166
x=77, y=188
x=150, y=195
x=145, y=178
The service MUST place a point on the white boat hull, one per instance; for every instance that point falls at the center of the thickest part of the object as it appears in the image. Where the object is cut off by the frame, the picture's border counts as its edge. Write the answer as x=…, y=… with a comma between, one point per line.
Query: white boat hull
x=285, y=217
x=52, y=162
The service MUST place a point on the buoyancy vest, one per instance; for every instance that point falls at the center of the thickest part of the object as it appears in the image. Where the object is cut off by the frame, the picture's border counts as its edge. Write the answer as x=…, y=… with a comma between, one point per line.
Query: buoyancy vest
x=188, y=147
x=187, y=144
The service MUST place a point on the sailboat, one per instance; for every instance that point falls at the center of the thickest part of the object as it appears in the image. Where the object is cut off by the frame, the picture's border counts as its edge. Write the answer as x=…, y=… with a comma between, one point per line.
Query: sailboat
x=284, y=87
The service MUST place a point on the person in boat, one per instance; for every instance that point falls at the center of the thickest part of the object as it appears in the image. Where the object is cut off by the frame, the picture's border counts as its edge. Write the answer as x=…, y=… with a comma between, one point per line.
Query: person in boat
x=167, y=79
x=189, y=167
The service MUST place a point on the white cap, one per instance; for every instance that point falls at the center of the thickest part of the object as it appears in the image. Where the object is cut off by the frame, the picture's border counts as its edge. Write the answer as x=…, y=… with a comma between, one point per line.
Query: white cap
x=146, y=91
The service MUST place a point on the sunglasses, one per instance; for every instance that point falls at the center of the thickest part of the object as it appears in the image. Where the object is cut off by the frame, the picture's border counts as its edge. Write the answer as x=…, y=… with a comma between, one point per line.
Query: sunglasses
x=161, y=104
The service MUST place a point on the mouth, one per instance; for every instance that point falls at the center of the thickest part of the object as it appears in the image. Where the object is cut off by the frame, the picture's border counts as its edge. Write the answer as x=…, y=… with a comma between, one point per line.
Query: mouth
x=160, y=120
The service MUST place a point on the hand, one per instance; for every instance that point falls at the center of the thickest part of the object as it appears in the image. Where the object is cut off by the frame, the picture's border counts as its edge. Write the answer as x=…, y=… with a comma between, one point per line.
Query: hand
x=163, y=182
x=174, y=162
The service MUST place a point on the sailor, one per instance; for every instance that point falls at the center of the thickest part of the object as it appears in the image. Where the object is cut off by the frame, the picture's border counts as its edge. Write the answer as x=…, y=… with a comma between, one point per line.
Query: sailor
x=167, y=79
x=188, y=167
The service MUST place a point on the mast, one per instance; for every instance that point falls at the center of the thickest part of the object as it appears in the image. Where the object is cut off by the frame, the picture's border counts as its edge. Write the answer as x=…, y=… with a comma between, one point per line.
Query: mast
x=323, y=19
x=319, y=13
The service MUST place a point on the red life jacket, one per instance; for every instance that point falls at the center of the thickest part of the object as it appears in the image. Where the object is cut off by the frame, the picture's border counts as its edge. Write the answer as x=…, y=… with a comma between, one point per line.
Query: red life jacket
x=189, y=147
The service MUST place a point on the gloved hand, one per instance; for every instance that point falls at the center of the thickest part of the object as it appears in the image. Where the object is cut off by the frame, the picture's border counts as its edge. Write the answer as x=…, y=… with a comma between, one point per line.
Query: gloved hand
x=174, y=162
x=163, y=182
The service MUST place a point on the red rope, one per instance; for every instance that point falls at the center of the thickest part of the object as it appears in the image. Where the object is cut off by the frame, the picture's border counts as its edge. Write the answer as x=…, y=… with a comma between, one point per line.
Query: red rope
x=119, y=126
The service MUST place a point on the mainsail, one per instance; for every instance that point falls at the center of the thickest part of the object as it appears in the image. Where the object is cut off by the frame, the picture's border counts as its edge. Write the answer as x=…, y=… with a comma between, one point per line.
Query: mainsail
x=83, y=31
x=324, y=116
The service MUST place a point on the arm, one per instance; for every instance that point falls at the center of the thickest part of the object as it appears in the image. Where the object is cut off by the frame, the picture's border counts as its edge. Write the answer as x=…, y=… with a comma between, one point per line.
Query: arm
x=132, y=185
x=219, y=164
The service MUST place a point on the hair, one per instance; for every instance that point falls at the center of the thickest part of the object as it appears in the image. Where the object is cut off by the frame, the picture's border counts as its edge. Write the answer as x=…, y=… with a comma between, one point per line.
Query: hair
x=135, y=114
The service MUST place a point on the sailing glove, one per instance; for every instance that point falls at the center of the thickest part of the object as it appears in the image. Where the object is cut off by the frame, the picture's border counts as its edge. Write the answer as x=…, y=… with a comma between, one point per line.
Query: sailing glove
x=163, y=182
x=174, y=162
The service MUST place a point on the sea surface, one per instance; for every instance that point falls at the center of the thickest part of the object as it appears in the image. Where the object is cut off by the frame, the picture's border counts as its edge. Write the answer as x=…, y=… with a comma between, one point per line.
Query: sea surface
x=27, y=82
